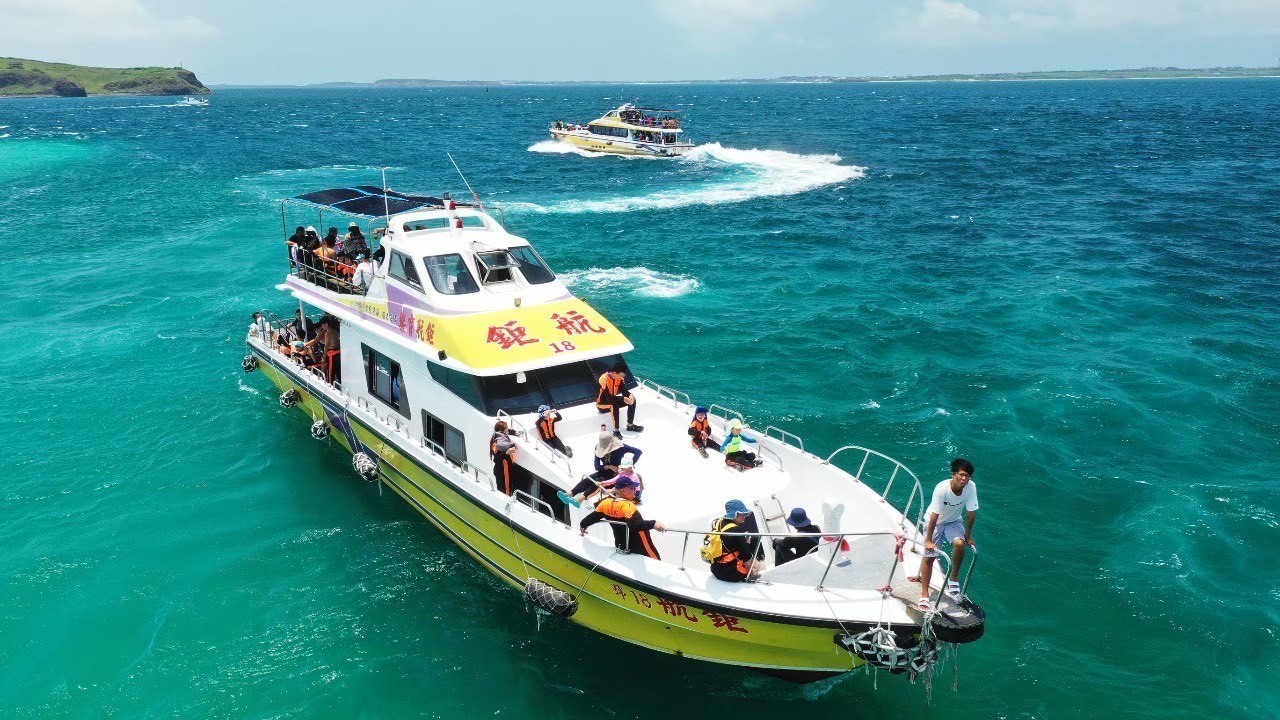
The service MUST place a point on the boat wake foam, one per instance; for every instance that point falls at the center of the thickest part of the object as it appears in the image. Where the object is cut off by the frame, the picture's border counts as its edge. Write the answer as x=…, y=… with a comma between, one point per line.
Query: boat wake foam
x=744, y=175
x=555, y=147
x=637, y=281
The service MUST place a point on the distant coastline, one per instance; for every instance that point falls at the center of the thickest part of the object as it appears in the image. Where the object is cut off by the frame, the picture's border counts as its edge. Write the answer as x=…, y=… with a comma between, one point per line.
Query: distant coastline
x=1164, y=73
x=20, y=77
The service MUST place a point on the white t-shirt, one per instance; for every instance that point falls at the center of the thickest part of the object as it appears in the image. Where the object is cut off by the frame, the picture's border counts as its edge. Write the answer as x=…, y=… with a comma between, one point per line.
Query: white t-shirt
x=951, y=507
x=364, y=274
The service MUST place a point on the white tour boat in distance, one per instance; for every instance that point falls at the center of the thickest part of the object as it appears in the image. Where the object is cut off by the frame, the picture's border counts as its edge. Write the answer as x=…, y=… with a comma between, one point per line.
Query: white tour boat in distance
x=628, y=130
x=461, y=324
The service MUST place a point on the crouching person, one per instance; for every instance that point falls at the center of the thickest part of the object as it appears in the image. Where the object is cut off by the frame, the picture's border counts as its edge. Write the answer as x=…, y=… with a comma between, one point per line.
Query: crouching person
x=633, y=534
x=727, y=547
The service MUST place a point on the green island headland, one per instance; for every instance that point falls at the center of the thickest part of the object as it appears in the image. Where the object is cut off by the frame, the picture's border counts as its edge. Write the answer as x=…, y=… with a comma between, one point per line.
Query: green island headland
x=22, y=77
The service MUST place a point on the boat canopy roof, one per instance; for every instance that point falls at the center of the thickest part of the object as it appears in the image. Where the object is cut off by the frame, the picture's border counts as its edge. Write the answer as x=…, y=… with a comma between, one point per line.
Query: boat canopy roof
x=369, y=201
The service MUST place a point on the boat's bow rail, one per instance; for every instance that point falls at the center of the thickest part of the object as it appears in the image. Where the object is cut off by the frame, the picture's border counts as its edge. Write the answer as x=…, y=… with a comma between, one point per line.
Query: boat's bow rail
x=896, y=485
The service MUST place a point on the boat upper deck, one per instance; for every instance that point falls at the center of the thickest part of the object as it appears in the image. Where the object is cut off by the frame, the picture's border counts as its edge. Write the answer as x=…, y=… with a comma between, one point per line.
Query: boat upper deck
x=453, y=283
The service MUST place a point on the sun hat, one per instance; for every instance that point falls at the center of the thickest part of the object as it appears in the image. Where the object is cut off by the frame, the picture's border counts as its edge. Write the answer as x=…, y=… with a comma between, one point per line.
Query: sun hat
x=628, y=461
x=624, y=482
x=354, y=225
x=798, y=518
x=543, y=408
x=699, y=411
x=606, y=444
x=734, y=508
x=735, y=424
x=311, y=228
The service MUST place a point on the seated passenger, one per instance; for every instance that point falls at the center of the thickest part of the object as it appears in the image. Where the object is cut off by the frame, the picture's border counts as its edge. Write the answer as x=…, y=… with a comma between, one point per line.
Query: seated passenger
x=364, y=273
x=609, y=453
x=787, y=549
x=354, y=243
x=700, y=432
x=547, y=419
x=614, y=396
x=735, y=450
x=727, y=548
x=330, y=350
x=632, y=534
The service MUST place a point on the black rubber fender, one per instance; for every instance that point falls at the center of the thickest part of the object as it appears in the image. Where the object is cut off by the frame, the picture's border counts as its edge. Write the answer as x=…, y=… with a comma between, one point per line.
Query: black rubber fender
x=958, y=621
x=557, y=602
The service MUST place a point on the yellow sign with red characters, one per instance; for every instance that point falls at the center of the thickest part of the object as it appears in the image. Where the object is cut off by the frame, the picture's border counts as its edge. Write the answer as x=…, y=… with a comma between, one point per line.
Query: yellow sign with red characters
x=519, y=336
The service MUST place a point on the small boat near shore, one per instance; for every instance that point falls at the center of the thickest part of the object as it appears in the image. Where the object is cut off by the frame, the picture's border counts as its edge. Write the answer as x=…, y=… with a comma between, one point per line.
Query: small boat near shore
x=460, y=325
x=627, y=130
x=194, y=101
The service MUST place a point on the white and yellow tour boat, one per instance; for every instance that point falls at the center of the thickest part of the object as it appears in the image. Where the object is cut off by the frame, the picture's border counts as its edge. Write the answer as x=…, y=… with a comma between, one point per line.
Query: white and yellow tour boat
x=461, y=325
x=628, y=130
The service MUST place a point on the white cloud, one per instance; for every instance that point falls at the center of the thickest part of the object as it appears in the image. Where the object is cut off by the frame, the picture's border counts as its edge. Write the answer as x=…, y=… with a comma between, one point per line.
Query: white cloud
x=101, y=20
x=715, y=24
x=948, y=22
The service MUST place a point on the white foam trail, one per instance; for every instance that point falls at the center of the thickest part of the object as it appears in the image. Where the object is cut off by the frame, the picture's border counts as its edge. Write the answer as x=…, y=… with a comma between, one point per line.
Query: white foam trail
x=638, y=281
x=555, y=147
x=752, y=174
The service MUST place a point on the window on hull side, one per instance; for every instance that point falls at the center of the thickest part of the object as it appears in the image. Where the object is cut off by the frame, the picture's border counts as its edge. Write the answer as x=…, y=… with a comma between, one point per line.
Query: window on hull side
x=384, y=380
x=447, y=437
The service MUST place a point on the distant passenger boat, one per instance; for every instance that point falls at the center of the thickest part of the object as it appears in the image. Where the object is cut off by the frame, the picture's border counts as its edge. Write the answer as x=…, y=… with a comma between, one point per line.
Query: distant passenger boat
x=459, y=325
x=629, y=130
x=198, y=102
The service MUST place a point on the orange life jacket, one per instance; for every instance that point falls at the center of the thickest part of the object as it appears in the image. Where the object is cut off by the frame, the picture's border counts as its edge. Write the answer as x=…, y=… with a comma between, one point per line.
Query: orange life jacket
x=547, y=426
x=701, y=427
x=616, y=508
x=609, y=388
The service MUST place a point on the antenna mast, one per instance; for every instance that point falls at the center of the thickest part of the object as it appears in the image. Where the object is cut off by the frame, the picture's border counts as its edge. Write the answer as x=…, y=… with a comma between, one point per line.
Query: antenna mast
x=474, y=196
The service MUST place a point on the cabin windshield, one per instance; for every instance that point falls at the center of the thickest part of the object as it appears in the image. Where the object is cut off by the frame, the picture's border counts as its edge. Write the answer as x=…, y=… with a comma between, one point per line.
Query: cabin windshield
x=561, y=386
x=531, y=266
x=449, y=275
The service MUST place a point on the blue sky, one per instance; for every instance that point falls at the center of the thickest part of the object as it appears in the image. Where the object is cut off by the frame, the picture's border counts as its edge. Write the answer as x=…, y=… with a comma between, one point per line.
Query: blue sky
x=295, y=42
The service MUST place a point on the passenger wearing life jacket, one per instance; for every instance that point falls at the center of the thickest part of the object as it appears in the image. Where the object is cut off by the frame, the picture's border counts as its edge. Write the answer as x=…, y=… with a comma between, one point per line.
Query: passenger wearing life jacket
x=547, y=419
x=700, y=432
x=733, y=563
x=502, y=450
x=734, y=447
x=614, y=396
x=632, y=535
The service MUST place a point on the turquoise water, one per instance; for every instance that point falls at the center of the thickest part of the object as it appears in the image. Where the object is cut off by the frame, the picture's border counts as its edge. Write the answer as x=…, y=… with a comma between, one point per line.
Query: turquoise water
x=1073, y=284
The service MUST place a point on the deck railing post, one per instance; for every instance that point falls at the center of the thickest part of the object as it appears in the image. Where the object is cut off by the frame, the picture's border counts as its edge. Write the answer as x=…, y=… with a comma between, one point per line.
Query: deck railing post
x=835, y=548
x=684, y=549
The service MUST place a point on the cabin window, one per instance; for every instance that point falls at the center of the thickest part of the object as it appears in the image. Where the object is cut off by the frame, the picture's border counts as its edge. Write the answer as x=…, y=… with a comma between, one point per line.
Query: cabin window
x=449, y=275
x=402, y=269
x=570, y=384
x=472, y=221
x=446, y=436
x=495, y=266
x=602, y=365
x=531, y=266
x=384, y=379
x=458, y=383
x=435, y=223
x=503, y=392
x=565, y=385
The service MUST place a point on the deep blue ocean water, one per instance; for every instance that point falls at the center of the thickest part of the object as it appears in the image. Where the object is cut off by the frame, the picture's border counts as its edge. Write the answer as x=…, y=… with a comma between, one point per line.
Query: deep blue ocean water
x=1073, y=284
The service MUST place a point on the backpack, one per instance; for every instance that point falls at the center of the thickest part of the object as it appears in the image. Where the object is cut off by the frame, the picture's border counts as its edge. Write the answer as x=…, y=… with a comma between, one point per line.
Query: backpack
x=712, y=545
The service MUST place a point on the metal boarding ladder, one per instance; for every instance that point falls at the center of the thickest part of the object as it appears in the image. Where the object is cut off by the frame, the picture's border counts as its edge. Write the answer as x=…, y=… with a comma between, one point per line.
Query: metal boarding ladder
x=538, y=446
x=770, y=518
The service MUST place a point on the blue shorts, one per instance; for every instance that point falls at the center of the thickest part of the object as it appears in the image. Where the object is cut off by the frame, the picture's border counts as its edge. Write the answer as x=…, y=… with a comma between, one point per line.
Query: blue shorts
x=945, y=534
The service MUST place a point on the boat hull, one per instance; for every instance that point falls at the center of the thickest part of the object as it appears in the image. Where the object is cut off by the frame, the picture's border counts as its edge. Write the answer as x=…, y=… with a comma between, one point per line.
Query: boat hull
x=619, y=146
x=794, y=648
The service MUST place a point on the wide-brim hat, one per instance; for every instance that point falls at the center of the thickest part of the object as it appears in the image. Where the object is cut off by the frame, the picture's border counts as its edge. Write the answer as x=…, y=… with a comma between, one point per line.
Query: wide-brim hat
x=734, y=508
x=606, y=444
x=628, y=461
x=735, y=424
x=798, y=518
